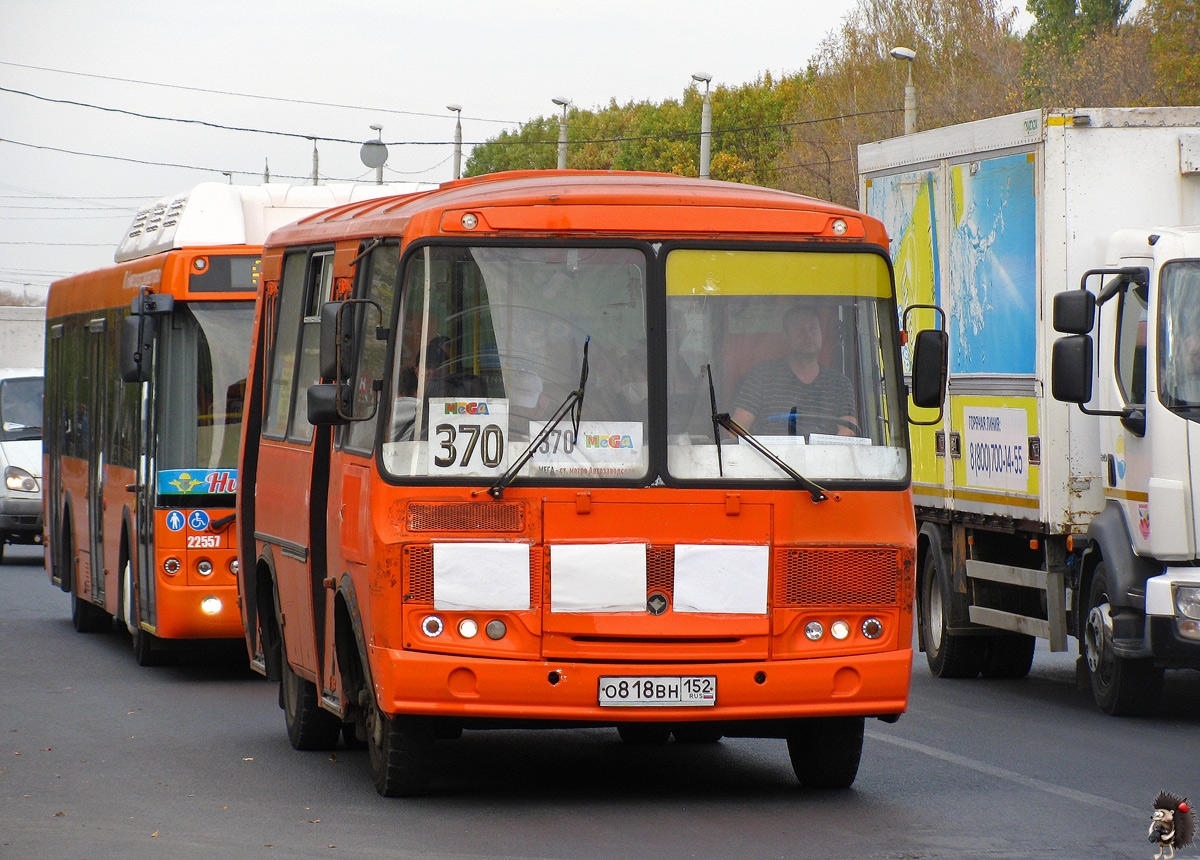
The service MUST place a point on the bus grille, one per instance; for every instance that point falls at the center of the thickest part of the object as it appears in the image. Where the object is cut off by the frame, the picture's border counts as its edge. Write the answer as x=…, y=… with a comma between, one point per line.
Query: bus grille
x=660, y=570
x=466, y=517
x=836, y=576
x=418, y=575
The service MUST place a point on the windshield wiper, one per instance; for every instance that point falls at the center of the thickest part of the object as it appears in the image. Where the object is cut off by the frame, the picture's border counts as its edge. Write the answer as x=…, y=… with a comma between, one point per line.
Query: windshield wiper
x=722, y=419
x=572, y=406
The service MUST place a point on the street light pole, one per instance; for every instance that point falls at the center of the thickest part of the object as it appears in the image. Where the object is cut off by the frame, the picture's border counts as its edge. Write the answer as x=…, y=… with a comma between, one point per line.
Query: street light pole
x=564, y=103
x=457, y=140
x=705, y=124
x=910, y=91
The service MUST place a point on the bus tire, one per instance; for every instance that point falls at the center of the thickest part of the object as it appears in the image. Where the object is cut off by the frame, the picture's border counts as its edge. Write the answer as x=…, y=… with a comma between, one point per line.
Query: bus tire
x=644, y=734
x=87, y=617
x=147, y=650
x=309, y=726
x=1121, y=686
x=1008, y=656
x=949, y=655
x=825, y=751
x=128, y=606
x=400, y=750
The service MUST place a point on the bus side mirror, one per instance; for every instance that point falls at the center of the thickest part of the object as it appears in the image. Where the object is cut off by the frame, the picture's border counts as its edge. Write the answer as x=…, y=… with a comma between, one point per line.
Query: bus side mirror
x=329, y=403
x=929, y=368
x=137, y=339
x=1071, y=368
x=1074, y=311
x=337, y=341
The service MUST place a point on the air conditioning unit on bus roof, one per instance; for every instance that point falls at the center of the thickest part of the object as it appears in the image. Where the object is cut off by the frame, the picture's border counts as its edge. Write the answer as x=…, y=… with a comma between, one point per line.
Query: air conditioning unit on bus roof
x=214, y=213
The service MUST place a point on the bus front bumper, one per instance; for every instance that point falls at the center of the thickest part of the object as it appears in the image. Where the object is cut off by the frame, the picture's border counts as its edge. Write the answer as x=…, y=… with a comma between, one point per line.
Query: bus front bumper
x=448, y=686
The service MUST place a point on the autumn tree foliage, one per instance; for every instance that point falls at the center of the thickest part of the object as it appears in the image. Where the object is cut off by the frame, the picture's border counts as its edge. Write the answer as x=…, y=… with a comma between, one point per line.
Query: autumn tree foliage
x=800, y=131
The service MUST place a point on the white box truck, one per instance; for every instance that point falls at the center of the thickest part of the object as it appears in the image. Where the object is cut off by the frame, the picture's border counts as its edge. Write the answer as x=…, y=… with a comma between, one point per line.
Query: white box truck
x=22, y=333
x=1039, y=518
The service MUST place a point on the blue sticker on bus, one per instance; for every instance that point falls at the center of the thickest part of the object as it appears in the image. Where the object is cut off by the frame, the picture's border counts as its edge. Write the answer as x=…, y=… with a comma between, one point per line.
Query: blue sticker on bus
x=196, y=481
x=198, y=520
x=175, y=521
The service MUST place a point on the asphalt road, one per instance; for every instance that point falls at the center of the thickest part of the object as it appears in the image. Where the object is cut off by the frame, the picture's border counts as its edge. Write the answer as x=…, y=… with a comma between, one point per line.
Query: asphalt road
x=104, y=759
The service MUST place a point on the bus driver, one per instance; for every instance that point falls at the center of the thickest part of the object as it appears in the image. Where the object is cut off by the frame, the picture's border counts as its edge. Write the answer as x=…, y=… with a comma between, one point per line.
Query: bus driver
x=794, y=394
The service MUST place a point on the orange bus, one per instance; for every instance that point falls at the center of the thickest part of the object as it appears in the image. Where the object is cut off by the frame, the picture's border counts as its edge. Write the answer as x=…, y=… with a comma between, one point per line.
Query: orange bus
x=519, y=452
x=145, y=378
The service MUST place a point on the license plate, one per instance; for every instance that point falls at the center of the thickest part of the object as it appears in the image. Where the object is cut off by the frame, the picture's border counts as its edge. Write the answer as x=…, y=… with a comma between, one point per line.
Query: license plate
x=658, y=692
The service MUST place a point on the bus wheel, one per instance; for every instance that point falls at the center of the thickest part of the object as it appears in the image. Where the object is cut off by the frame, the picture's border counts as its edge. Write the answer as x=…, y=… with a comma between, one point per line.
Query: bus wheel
x=825, y=751
x=401, y=752
x=1008, y=656
x=129, y=612
x=146, y=648
x=86, y=616
x=644, y=734
x=1121, y=687
x=948, y=655
x=309, y=726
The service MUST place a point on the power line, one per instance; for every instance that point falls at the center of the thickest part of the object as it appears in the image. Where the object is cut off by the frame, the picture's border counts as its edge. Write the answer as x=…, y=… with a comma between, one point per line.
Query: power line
x=251, y=95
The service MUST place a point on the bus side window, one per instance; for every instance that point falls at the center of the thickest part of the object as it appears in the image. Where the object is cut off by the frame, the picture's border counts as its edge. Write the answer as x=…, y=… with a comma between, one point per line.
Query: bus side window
x=283, y=352
x=318, y=290
x=378, y=275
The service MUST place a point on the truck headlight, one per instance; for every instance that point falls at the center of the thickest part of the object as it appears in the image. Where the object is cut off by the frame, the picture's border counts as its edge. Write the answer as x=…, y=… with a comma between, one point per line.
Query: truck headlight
x=16, y=478
x=1187, y=601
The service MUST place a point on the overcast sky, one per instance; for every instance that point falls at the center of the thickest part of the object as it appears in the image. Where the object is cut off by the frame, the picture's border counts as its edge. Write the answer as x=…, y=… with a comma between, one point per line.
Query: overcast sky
x=397, y=66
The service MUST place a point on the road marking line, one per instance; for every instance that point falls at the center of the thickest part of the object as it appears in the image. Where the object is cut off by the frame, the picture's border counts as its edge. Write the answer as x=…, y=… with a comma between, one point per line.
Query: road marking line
x=1012, y=776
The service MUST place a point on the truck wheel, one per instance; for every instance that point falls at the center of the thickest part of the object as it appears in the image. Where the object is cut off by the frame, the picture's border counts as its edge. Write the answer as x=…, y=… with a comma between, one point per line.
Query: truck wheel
x=1121, y=686
x=400, y=750
x=309, y=726
x=948, y=655
x=825, y=751
x=644, y=734
x=1008, y=656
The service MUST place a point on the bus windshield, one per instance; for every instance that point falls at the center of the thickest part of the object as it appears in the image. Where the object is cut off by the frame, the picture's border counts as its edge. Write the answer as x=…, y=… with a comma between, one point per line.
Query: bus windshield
x=492, y=342
x=21, y=408
x=796, y=347
x=202, y=384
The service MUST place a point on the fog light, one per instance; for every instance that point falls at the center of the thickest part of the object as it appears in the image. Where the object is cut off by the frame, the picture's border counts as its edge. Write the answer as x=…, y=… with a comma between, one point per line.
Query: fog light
x=234, y=567
x=814, y=630
x=839, y=630
x=872, y=628
x=495, y=629
x=1187, y=601
x=467, y=628
x=1189, y=629
x=210, y=605
x=432, y=626
x=204, y=567
x=172, y=566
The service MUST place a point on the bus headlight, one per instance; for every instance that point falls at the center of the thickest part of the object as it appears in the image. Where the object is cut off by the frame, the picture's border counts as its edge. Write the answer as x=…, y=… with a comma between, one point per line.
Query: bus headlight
x=814, y=630
x=204, y=567
x=467, y=628
x=432, y=626
x=234, y=567
x=172, y=566
x=872, y=628
x=839, y=629
x=210, y=605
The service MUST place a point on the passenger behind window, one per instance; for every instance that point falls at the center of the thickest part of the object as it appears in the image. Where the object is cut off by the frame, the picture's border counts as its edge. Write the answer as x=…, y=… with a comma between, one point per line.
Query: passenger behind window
x=795, y=395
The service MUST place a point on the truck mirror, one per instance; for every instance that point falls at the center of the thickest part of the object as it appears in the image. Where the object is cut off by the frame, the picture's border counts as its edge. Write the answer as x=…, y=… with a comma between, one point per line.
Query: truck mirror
x=137, y=339
x=329, y=404
x=1074, y=311
x=1071, y=368
x=929, y=367
x=337, y=341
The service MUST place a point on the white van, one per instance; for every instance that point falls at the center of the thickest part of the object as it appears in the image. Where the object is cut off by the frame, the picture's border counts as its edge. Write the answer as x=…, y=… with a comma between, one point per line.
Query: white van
x=21, y=455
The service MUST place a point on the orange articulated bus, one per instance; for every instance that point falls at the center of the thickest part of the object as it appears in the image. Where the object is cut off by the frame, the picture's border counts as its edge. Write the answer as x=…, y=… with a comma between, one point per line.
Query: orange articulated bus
x=581, y=449
x=146, y=373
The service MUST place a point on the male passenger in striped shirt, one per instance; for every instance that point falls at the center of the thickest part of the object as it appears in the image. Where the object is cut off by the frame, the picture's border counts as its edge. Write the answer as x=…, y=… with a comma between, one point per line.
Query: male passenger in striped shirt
x=795, y=395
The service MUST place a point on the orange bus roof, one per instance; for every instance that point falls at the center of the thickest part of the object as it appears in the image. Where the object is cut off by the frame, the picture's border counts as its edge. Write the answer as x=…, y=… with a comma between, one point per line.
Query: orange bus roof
x=554, y=202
